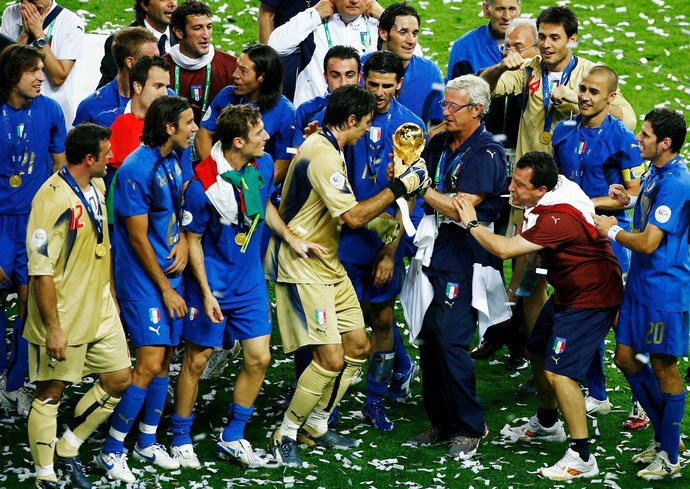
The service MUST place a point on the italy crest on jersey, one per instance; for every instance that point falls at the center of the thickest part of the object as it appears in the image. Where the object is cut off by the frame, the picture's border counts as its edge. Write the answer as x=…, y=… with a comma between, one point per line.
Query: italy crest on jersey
x=452, y=290
x=559, y=345
x=193, y=313
x=375, y=134
x=154, y=315
x=196, y=92
x=321, y=316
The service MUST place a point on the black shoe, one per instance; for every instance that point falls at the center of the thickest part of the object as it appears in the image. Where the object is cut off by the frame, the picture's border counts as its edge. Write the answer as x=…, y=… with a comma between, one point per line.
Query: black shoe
x=281, y=405
x=516, y=363
x=485, y=349
x=687, y=376
x=44, y=484
x=528, y=388
x=75, y=470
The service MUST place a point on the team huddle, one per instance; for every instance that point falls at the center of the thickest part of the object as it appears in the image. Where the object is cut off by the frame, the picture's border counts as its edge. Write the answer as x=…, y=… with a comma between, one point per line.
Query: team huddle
x=321, y=159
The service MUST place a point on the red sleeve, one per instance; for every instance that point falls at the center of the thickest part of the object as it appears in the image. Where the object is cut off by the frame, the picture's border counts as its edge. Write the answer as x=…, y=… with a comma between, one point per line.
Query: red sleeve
x=125, y=138
x=553, y=229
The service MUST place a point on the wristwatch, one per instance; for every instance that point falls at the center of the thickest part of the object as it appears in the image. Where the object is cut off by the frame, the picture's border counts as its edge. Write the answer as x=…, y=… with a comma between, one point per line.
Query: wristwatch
x=39, y=43
x=472, y=224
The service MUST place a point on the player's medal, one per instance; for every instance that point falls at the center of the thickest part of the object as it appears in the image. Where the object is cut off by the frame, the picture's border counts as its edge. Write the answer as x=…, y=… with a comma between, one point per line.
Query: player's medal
x=545, y=137
x=15, y=181
x=101, y=250
x=408, y=143
x=240, y=239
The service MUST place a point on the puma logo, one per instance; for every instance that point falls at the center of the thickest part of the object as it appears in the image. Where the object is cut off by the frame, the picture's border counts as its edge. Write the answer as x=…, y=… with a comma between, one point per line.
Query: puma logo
x=133, y=184
x=156, y=330
x=54, y=187
x=555, y=360
x=126, y=420
x=50, y=365
x=555, y=219
x=49, y=445
x=299, y=418
x=322, y=331
x=491, y=153
x=450, y=304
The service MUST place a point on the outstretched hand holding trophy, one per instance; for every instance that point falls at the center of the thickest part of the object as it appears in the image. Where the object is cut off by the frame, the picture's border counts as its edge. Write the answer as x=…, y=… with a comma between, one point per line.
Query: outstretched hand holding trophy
x=409, y=167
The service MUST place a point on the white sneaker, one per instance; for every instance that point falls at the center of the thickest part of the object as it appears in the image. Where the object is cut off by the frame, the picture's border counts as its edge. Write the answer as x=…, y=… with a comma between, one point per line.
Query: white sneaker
x=157, y=455
x=219, y=360
x=115, y=466
x=533, y=431
x=241, y=451
x=660, y=468
x=648, y=455
x=185, y=455
x=19, y=400
x=595, y=407
x=571, y=466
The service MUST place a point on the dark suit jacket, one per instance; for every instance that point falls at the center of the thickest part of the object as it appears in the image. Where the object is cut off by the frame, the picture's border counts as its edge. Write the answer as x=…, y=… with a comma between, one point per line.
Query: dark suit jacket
x=108, y=66
x=4, y=42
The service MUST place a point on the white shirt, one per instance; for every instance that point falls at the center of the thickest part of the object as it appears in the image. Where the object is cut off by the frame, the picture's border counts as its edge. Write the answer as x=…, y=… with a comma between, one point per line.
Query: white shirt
x=66, y=38
x=157, y=35
x=361, y=33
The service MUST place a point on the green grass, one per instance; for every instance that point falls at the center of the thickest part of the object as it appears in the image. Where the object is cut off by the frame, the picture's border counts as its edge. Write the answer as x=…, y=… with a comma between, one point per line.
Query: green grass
x=382, y=460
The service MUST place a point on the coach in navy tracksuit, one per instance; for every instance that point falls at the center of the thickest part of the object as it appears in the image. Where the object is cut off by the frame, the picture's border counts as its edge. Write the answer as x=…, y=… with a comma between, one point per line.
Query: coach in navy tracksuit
x=463, y=158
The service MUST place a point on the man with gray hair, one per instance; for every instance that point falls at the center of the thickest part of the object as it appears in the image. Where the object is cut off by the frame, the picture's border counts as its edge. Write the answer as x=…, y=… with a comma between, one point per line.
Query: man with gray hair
x=465, y=159
x=504, y=120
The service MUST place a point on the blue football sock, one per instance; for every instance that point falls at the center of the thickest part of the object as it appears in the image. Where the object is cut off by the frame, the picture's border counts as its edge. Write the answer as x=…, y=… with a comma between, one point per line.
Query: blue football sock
x=239, y=415
x=672, y=408
x=153, y=410
x=3, y=344
x=18, y=368
x=181, y=427
x=379, y=375
x=596, y=380
x=124, y=415
x=302, y=360
x=646, y=389
x=401, y=364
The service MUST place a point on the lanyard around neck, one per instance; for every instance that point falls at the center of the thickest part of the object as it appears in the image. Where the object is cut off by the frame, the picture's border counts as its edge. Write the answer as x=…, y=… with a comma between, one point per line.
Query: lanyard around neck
x=366, y=41
x=207, y=85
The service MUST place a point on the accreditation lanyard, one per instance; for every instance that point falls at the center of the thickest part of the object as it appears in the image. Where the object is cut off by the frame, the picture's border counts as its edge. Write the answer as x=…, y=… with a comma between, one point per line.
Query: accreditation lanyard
x=373, y=151
x=441, y=169
x=16, y=147
x=175, y=194
x=549, y=108
x=207, y=85
x=96, y=220
x=365, y=36
x=583, y=157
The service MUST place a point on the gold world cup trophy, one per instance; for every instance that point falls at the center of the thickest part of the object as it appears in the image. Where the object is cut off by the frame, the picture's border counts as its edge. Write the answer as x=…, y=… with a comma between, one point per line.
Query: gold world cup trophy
x=408, y=144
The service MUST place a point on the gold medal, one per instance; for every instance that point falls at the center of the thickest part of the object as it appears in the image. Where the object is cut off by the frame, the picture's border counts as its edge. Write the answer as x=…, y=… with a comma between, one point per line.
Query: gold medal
x=15, y=181
x=545, y=137
x=240, y=239
x=101, y=250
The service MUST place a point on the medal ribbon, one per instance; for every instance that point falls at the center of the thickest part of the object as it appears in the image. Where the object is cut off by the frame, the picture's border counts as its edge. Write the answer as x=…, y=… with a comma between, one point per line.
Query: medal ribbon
x=97, y=220
x=373, y=160
x=549, y=108
x=248, y=184
x=454, y=166
x=207, y=85
x=16, y=149
x=175, y=194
